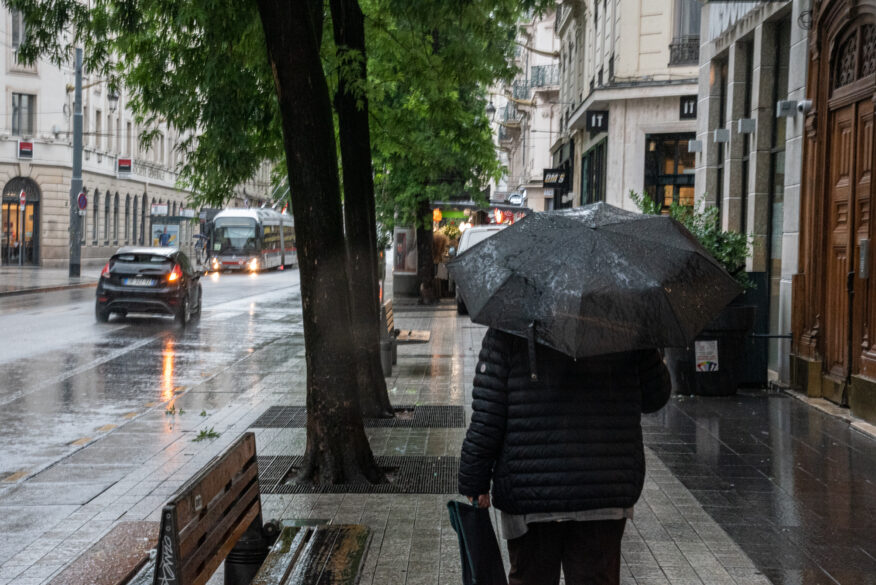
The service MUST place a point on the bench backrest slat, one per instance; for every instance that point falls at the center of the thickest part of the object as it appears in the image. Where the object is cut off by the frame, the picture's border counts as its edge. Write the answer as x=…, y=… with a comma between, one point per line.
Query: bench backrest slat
x=206, y=517
x=388, y=318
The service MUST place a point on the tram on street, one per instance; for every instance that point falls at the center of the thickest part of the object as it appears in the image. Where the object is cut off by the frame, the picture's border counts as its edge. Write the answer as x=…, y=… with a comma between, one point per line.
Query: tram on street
x=251, y=240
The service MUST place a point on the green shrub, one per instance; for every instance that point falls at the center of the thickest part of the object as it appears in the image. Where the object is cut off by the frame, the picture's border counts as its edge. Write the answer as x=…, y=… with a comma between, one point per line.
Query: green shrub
x=730, y=248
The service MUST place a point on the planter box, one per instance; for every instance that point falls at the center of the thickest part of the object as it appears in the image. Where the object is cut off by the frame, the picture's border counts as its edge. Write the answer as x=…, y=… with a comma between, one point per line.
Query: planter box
x=712, y=365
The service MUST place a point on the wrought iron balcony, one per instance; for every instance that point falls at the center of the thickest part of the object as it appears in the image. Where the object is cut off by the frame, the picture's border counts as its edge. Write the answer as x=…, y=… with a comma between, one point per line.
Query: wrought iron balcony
x=684, y=50
x=520, y=90
x=542, y=75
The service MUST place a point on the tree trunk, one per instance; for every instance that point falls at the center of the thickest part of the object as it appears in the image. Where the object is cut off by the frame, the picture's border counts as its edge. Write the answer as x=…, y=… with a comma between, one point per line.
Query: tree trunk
x=337, y=449
x=351, y=104
x=425, y=265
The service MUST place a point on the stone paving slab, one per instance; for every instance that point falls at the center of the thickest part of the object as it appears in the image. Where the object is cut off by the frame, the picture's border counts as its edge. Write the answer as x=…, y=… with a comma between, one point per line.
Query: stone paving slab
x=672, y=539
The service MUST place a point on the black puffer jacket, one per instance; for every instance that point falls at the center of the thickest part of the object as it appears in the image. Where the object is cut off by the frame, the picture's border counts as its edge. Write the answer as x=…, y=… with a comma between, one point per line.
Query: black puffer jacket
x=570, y=441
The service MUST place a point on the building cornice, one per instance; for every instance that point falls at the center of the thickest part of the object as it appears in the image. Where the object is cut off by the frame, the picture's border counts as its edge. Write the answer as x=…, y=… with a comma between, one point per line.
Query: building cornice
x=601, y=97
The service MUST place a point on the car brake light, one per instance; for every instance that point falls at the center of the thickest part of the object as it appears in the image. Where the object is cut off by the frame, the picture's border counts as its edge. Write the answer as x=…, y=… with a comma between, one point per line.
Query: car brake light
x=175, y=274
x=105, y=272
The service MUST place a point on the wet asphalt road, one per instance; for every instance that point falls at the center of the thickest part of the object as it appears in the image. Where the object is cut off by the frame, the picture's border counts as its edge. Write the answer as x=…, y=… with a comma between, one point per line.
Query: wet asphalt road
x=66, y=380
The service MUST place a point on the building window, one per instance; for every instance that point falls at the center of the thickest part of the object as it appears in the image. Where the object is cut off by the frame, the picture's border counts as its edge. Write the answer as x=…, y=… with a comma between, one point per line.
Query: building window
x=116, y=219
x=109, y=132
x=94, y=228
x=98, y=129
x=128, y=150
x=593, y=174
x=127, y=217
x=19, y=31
x=23, y=109
x=685, y=46
x=106, y=218
x=669, y=169
x=134, y=219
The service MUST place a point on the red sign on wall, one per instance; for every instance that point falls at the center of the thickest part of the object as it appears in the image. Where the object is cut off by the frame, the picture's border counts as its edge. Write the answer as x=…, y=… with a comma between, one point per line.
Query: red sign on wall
x=124, y=165
x=25, y=149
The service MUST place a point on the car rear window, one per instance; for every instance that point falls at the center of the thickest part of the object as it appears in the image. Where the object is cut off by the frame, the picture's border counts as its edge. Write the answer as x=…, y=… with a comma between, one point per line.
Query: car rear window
x=151, y=259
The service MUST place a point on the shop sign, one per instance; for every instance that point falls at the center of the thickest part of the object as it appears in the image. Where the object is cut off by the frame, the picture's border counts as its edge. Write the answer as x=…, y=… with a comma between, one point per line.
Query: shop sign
x=597, y=120
x=687, y=108
x=555, y=178
x=706, y=355
x=25, y=149
x=159, y=209
x=124, y=166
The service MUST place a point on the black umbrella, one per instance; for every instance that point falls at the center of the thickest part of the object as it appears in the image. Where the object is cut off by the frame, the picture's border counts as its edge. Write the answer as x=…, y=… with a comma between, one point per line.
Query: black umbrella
x=594, y=280
x=481, y=557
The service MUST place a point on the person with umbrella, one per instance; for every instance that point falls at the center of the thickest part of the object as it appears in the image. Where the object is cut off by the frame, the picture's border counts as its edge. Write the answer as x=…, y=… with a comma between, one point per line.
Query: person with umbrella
x=577, y=306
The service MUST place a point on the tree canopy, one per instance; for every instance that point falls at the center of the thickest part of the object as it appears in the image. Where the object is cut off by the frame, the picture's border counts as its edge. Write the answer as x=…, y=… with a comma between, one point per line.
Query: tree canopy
x=200, y=65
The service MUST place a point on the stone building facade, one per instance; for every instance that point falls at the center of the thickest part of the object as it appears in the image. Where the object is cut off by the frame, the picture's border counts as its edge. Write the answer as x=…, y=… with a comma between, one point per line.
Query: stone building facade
x=627, y=97
x=36, y=158
x=752, y=74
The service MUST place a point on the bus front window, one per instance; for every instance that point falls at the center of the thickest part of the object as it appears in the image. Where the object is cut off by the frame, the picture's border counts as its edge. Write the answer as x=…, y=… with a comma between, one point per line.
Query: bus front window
x=235, y=237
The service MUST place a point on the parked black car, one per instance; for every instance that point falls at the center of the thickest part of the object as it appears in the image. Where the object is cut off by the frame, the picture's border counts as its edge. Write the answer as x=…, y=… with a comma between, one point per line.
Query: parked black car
x=149, y=280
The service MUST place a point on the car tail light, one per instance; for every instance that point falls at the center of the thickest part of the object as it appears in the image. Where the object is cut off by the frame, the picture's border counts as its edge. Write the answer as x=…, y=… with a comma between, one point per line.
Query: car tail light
x=105, y=272
x=175, y=274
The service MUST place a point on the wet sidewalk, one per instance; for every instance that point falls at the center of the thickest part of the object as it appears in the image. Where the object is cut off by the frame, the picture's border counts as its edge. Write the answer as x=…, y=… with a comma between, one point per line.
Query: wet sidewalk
x=15, y=280
x=747, y=490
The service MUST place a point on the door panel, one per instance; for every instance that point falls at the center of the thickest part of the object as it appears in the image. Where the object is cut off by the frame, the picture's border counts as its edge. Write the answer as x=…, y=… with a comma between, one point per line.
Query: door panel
x=862, y=318
x=839, y=230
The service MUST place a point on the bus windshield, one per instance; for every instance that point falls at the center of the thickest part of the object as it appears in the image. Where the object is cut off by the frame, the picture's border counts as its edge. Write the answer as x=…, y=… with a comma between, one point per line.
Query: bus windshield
x=232, y=235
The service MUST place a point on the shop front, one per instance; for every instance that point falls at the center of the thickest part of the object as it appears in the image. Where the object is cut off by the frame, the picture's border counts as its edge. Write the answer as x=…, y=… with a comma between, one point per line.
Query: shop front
x=19, y=224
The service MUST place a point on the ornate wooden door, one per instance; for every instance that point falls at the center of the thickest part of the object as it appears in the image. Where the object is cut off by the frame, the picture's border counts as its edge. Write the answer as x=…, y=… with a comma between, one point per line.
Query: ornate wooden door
x=838, y=252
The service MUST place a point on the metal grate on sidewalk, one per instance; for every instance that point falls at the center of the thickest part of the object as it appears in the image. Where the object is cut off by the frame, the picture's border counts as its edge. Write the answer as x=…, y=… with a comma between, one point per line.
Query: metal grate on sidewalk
x=406, y=416
x=406, y=475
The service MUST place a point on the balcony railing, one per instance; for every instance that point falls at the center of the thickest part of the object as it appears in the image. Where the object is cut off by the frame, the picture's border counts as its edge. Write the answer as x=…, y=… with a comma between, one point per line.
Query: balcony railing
x=520, y=90
x=542, y=75
x=684, y=50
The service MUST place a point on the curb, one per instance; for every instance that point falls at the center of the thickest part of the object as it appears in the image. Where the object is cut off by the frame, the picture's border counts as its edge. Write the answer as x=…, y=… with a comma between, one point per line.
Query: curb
x=833, y=410
x=45, y=289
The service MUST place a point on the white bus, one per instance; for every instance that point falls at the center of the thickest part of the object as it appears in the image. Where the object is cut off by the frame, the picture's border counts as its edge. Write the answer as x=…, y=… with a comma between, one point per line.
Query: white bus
x=252, y=240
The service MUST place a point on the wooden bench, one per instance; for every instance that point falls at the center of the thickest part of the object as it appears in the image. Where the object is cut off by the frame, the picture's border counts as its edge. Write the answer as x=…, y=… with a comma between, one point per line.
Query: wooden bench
x=113, y=559
x=401, y=336
x=203, y=521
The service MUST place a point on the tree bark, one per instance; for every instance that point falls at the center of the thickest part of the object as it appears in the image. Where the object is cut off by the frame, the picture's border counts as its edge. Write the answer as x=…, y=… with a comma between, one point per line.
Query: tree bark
x=351, y=104
x=425, y=265
x=337, y=450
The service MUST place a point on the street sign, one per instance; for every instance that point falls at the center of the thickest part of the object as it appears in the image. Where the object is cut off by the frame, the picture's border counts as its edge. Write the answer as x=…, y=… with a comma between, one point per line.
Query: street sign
x=22, y=199
x=82, y=201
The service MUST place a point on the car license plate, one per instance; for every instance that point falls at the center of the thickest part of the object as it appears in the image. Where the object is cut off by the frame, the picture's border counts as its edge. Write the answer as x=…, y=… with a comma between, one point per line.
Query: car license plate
x=139, y=282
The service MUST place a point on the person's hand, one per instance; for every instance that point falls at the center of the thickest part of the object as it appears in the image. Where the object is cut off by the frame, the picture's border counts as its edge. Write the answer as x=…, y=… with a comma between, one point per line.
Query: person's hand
x=483, y=500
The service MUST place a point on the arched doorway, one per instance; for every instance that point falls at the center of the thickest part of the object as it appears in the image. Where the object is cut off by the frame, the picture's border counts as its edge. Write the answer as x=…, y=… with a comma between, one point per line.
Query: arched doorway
x=20, y=239
x=835, y=292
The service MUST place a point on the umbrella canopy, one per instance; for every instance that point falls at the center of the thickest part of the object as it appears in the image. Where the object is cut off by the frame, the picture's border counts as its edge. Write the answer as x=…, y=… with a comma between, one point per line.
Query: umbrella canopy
x=594, y=280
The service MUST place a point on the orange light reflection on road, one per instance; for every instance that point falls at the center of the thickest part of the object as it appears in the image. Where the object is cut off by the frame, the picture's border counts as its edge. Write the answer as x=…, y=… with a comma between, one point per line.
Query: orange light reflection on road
x=167, y=372
x=214, y=276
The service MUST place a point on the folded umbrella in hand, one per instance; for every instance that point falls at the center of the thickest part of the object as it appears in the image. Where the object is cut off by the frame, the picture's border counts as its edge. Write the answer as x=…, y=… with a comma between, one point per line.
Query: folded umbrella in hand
x=481, y=558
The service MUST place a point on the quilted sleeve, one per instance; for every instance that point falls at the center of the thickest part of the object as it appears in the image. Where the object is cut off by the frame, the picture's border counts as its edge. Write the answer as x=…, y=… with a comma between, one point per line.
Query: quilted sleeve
x=655, y=381
x=485, y=435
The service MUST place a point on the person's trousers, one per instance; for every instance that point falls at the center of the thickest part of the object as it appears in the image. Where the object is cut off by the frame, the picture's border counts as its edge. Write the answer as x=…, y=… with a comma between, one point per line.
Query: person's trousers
x=588, y=552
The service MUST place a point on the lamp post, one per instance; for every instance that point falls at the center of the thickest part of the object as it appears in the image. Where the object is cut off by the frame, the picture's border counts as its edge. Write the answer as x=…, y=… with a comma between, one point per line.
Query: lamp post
x=76, y=182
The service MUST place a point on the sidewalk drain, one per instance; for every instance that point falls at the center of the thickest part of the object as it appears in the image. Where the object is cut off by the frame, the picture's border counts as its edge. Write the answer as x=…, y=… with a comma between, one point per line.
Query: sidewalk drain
x=407, y=475
x=406, y=416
